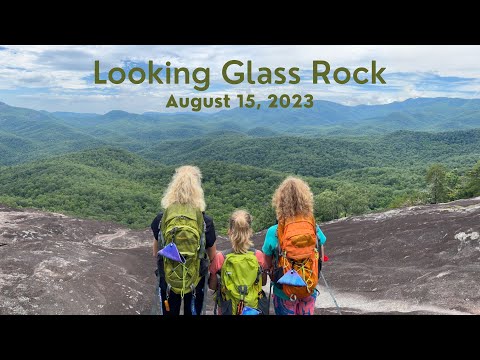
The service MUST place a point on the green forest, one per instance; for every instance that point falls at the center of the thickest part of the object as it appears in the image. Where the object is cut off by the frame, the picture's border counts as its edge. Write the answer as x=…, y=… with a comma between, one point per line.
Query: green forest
x=108, y=168
x=116, y=185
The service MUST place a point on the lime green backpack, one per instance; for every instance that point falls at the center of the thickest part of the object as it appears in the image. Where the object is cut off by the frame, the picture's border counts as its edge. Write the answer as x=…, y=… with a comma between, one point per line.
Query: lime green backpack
x=184, y=226
x=241, y=282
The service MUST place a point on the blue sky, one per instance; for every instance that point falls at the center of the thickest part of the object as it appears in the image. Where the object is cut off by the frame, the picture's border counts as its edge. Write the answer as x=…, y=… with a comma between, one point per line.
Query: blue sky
x=60, y=78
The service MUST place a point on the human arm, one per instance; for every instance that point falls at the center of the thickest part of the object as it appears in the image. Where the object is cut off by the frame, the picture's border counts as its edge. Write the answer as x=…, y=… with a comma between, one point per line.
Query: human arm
x=269, y=247
x=214, y=268
x=213, y=282
x=155, y=247
x=321, y=238
x=155, y=226
x=211, y=252
x=268, y=263
x=210, y=237
x=263, y=266
x=264, y=278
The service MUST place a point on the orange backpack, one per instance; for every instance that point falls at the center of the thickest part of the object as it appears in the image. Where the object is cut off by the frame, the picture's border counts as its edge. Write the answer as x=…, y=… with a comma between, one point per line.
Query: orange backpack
x=297, y=238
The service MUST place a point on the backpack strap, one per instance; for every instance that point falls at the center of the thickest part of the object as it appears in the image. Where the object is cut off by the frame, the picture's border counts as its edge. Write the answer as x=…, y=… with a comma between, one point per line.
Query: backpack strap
x=230, y=251
x=252, y=249
x=260, y=270
x=203, y=242
x=278, y=251
x=218, y=293
x=161, y=238
x=316, y=236
x=226, y=252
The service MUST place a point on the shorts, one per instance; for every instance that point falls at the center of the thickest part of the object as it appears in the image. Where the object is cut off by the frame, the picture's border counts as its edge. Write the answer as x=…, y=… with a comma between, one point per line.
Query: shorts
x=304, y=306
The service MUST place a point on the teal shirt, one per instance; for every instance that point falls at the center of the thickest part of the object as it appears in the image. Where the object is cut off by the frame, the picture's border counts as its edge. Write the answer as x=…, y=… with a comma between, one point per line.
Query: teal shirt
x=270, y=247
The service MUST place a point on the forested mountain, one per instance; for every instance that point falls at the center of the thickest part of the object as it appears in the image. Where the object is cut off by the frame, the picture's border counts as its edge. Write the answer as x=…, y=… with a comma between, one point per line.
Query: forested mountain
x=114, y=184
x=116, y=166
x=325, y=156
x=357, y=160
x=27, y=134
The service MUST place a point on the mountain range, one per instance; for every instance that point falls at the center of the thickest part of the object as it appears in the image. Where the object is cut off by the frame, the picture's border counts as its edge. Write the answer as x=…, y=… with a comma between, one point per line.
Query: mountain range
x=27, y=134
x=115, y=166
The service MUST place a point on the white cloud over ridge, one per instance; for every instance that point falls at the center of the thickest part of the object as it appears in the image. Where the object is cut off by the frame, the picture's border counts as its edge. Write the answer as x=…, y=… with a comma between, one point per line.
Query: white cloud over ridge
x=59, y=78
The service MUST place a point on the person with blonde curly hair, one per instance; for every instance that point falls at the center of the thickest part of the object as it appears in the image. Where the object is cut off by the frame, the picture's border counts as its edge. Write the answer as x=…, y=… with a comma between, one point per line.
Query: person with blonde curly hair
x=293, y=199
x=184, y=192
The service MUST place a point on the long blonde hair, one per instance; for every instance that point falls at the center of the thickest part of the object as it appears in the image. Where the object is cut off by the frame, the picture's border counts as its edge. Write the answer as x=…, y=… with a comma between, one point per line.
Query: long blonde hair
x=292, y=198
x=185, y=188
x=240, y=231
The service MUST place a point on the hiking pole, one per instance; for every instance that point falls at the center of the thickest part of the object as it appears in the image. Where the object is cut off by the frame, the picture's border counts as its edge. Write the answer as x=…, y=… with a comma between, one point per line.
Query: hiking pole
x=333, y=297
x=160, y=297
x=157, y=296
x=270, y=291
x=269, y=295
x=205, y=293
x=154, y=310
x=157, y=272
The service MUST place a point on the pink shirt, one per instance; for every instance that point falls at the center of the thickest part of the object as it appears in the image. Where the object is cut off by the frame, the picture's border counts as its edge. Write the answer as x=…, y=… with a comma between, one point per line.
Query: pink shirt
x=218, y=260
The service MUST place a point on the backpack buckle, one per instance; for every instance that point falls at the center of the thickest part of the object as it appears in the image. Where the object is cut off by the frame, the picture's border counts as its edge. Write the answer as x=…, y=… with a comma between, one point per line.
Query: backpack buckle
x=243, y=290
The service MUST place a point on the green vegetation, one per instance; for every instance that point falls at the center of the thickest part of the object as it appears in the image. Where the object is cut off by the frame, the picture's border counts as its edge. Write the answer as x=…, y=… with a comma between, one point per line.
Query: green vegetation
x=472, y=182
x=116, y=185
x=324, y=156
x=112, y=184
x=103, y=184
x=116, y=166
x=436, y=178
x=38, y=134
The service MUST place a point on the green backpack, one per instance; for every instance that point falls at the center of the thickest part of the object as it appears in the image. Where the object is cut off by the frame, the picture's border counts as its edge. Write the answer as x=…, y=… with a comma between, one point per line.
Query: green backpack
x=184, y=226
x=241, y=282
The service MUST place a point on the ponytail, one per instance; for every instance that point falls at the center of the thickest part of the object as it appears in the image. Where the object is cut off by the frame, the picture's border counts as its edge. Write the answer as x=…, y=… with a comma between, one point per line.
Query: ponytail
x=240, y=226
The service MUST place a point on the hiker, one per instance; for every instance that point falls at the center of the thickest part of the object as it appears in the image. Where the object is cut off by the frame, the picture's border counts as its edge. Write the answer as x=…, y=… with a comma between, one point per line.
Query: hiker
x=186, y=238
x=294, y=248
x=237, y=274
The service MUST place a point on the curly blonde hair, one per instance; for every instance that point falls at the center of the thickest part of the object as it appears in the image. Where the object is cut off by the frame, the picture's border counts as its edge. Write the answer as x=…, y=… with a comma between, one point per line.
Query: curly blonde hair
x=185, y=188
x=292, y=198
x=240, y=231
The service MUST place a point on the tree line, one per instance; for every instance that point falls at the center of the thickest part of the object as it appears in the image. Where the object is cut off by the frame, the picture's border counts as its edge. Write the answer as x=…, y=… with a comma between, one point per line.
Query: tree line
x=117, y=185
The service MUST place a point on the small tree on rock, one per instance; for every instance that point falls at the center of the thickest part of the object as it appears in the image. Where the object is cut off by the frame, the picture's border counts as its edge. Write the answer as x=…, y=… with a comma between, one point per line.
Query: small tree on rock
x=436, y=178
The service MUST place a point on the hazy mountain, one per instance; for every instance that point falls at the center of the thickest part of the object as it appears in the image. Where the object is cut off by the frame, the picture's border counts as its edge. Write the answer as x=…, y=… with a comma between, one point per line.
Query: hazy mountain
x=26, y=134
x=33, y=134
x=432, y=114
x=424, y=114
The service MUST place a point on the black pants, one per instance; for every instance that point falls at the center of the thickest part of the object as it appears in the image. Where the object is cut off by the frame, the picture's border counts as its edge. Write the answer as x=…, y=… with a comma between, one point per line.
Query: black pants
x=175, y=300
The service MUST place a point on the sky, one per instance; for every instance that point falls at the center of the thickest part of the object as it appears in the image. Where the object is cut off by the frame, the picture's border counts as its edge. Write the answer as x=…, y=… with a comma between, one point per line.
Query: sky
x=61, y=77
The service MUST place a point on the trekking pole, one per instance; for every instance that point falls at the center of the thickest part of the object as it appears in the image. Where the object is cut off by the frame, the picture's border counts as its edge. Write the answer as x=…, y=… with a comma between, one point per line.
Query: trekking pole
x=157, y=296
x=269, y=295
x=160, y=297
x=270, y=291
x=205, y=293
x=192, y=301
x=333, y=297
x=154, y=310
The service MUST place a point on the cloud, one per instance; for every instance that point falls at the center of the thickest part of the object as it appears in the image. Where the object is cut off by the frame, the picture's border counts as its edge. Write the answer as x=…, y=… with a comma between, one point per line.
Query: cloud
x=57, y=77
